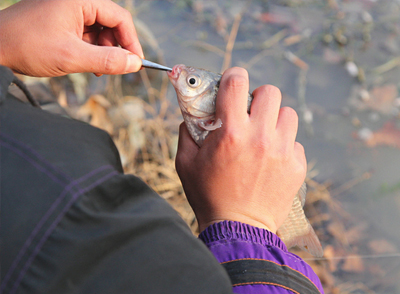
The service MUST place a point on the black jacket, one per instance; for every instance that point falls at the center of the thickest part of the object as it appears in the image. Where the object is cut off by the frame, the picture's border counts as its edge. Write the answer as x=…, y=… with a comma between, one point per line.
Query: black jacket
x=72, y=222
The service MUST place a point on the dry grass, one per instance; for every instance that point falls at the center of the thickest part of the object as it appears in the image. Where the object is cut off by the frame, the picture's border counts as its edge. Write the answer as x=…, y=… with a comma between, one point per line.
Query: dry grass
x=147, y=140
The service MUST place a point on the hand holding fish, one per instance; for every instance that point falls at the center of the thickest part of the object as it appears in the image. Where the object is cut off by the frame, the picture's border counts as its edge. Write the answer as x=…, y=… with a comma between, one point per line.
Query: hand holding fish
x=69, y=44
x=249, y=169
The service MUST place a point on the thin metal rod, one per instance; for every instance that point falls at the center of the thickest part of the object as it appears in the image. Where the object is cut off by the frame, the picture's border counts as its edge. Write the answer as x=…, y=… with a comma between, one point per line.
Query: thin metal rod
x=149, y=64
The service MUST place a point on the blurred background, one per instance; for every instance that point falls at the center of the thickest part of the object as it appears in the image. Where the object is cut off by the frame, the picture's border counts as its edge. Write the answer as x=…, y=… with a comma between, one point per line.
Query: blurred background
x=337, y=64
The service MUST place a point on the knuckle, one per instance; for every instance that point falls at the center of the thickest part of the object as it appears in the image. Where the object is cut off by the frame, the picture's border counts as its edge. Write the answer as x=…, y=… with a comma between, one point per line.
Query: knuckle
x=261, y=91
x=66, y=58
x=271, y=89
x=268, y=91
x=126, y=14
x=178, y=163
x=232, y=137
x=289, y=113
x=112, y=62
x=285, y=153
x=281, y=154
x=299, y=147
x=236, y=81
x=264, y=143
x=230, y=140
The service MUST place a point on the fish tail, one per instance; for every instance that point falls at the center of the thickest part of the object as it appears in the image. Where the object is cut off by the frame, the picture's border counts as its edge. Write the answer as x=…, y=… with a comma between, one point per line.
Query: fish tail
x=310, y=243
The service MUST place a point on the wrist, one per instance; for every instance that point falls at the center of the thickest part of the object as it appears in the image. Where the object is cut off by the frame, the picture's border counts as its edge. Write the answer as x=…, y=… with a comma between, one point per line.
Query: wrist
x=241, y=219
x=2, y=61
x=5, y=38
x=230, y=230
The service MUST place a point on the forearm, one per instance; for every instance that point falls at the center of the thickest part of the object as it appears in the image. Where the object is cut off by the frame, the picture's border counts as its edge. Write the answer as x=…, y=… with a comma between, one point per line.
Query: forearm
x=2, y=38
x=55, y=38
x=256, y=259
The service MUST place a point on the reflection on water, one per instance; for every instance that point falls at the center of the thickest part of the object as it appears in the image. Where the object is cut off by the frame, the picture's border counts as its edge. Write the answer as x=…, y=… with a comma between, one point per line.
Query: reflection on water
x=337, y=64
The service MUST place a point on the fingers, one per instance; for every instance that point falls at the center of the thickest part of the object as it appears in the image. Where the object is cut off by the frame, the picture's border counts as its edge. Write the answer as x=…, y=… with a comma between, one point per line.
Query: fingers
x=91, y=34
x=287, y=124
x=231, y=105
x=101, y=59
x=265, y=106
x=187, y=149
x=111, y=15
x=107, y=38
x=300, y=156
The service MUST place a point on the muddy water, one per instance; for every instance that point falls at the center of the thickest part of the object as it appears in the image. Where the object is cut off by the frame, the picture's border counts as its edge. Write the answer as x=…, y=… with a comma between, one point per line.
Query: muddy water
x=331, y=138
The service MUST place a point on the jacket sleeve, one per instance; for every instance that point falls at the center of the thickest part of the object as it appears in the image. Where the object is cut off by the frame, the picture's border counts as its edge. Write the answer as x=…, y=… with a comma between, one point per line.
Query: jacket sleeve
x=257, y=261
x=74, y=223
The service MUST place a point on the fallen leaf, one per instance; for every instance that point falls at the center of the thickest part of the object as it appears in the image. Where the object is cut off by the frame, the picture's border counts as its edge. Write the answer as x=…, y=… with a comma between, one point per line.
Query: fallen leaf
x=220, y=24
x=353, y=263
x=380, y=246
x=376, y=270
x=326, y=277
x=329, y=254
x=296, y=60
x=294, y=39
x=278, y=17
x=356, y=233
x=337, y=230
x=331, y=56
x=383, y=98
x=388, y=135
x=94, y=111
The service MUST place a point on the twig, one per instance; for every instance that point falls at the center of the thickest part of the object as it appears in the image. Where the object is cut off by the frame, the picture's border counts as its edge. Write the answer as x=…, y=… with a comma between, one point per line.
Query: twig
x=274, y=39
x=388, y=255
x=149, y=88
x=257, y=58
x=296, y=60
x=231, y=42
x=306, y=113
x=205, y=46
x=387, y=66
x=350, y=184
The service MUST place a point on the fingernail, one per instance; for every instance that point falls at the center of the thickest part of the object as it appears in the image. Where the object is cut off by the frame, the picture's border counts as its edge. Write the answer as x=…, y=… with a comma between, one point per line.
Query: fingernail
x=98, y=74
x=133, y=63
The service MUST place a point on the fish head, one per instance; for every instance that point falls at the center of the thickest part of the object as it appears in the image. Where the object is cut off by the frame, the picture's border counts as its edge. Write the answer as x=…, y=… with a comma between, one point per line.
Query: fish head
x=196, y=89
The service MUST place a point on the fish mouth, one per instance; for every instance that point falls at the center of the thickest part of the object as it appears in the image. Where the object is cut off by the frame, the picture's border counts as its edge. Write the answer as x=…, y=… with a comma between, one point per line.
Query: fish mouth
x=176, y=71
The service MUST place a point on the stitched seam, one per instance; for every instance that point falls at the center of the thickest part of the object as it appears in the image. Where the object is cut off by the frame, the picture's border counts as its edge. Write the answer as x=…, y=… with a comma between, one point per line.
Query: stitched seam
x=44, y=238
x=42, y=221
x=274, y=263
x=243, y=237
x=32, y=161
x=215, y=245
x=266, y=283
x=36, y=154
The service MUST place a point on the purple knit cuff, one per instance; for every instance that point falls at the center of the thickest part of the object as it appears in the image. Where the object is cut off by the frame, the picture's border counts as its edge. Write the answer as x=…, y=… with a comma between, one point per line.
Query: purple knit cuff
x=230, y=241
x=231, y=230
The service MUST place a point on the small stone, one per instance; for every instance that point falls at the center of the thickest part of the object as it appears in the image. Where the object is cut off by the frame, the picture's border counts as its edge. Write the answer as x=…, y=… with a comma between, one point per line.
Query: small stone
x=364, y=95
x=351, y=68
x=308, y=116
x=365, y=134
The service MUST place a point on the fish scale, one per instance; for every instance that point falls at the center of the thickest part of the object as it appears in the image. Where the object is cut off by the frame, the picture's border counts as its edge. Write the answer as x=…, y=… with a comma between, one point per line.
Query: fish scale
x=196, y=91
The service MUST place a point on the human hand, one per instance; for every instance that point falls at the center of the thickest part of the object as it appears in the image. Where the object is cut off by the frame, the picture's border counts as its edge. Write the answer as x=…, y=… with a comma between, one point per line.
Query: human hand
x=250, y=169
x=57, y=37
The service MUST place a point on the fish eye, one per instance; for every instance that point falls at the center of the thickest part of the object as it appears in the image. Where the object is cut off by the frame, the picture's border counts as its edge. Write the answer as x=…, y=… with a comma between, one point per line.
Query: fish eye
x=193, y=81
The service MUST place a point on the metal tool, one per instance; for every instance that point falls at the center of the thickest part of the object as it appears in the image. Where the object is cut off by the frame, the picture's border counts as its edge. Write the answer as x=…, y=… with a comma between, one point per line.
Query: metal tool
x=149, y=64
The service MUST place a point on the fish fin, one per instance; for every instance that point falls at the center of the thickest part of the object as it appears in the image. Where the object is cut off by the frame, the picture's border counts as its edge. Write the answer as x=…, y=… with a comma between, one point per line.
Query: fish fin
x=211, y=127
x=302, y=193
x=309, y=243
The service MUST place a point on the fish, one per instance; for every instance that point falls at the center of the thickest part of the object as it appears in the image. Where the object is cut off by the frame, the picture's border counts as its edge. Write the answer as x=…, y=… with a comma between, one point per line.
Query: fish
x=196, y=91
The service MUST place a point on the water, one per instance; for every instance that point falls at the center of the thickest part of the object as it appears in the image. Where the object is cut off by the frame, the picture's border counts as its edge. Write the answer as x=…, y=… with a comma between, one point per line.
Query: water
x=340, y=157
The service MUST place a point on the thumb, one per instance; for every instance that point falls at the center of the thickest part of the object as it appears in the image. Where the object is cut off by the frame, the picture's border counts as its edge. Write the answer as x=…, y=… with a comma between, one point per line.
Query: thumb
x=187, y=150
x=104, y=59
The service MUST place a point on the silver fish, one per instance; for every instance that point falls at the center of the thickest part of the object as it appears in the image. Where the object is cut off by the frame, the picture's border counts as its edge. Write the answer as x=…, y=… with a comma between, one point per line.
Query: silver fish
x=196, y=90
